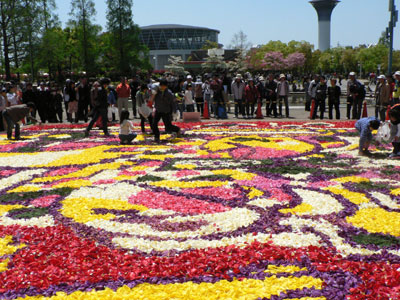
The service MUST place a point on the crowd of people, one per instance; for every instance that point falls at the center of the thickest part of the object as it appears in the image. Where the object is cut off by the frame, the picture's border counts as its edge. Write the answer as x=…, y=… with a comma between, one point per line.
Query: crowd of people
x=168, y=97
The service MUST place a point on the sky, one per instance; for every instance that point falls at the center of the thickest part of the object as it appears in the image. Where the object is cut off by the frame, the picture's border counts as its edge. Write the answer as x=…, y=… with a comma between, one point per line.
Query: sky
x=354, y=22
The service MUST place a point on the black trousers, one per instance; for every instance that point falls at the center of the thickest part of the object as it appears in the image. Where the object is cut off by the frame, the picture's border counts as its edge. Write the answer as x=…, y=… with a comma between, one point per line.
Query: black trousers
x=271, y=106
x=396, y=147
x=83, y=110
x=1, y=121
x=239, y=109
x=166, y=117
x=321, y=104
x=11, y=125
x=97, y=113
x=143, y=121
x=285, y=99
x=334, y=104
x=356, y=104
x=134, y=110
x=200, y=105
x=249, y=108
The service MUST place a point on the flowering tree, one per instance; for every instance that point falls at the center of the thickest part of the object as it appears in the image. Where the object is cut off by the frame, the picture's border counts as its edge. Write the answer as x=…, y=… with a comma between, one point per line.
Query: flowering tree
x=295, y=60
x=274, y=61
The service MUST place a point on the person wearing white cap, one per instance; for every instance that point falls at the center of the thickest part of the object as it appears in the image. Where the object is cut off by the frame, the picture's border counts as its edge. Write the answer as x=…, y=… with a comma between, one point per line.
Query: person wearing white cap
x=396, y=91
x=189, y=80
x=355, y=96
x=238, y=90
x=382, y=97
x=283, y=94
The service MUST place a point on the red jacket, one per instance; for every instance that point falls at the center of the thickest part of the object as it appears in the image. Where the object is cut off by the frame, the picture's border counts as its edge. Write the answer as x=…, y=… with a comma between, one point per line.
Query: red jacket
x=123, y=91
x=252, y=94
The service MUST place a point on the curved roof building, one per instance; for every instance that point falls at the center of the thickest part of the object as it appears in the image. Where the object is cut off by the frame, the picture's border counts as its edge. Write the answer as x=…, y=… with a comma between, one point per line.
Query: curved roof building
x=166, y=40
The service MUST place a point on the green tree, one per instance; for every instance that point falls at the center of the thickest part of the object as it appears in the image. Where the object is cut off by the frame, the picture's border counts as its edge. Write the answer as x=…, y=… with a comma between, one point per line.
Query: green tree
x=371, y=57
x=7, y=13
x=82, y=13
x=129, y=53
x=210, y=45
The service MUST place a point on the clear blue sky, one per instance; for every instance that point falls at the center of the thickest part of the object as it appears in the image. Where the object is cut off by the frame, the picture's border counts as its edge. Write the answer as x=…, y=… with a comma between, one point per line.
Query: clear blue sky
x=354, y=22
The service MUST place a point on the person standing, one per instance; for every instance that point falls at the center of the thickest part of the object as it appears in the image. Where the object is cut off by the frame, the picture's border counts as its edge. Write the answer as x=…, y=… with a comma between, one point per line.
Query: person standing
x=189, y=101
x=382, y=97
x=252, y=95
x=72, y=103
x=238, y=90
x=198, y=95
x=43, y=99
x=306, y=85
x=123, y=92
x=100, y=108
x=12, y=96
x=334, y=93
x=144, y=107
x=270, y=95
x=29, y=96
x=164, y=105
x=396, y=91
x=283, y=94
x=83, y=99
x=3, y=105
x=355, y=96
x=135, y=86
x=216, y=87
x=320, y=98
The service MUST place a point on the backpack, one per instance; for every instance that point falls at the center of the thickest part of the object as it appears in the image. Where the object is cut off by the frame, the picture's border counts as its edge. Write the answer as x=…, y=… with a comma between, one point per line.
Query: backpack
x=198, y=91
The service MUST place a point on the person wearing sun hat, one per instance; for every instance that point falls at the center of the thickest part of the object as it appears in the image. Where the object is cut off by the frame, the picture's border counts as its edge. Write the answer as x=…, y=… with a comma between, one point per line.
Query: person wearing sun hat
x=382, y=97
x=238, y=90
x=283, y=94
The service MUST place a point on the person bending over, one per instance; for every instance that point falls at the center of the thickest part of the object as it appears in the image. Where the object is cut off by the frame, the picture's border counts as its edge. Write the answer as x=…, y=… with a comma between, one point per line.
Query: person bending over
x=14, y=114
x=365, y=126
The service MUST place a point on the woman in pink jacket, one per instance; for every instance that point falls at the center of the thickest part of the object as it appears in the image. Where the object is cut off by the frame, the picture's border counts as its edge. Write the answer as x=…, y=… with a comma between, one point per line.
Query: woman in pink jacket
x=251, y=97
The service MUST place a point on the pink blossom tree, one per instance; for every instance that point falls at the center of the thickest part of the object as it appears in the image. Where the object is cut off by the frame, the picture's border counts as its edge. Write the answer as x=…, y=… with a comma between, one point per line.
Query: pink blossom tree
x=274, y=61
x=295, y=60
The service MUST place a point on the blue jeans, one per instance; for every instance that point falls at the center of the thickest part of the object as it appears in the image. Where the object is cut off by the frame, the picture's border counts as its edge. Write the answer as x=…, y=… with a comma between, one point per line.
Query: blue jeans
x=127, y=138
x=10, y=125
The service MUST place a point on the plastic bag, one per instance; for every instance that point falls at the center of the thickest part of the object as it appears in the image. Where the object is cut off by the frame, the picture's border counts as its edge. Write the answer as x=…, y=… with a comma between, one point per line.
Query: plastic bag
x=384, y=135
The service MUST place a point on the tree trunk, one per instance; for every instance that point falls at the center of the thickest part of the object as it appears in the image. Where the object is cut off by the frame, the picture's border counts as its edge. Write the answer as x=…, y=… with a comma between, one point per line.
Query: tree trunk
x=121, y=42
x=85, y=52
x=16, y=60
x=4, y=23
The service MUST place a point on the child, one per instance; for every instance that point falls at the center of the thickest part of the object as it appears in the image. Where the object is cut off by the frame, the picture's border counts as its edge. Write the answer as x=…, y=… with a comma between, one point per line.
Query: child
x=125, y=131
x=189, y=101
x=365, y=126
x=394, y=115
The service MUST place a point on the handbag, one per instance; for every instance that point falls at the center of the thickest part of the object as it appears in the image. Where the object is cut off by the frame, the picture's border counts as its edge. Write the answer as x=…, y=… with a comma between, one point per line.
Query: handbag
x=144, y=110
x=384, y=133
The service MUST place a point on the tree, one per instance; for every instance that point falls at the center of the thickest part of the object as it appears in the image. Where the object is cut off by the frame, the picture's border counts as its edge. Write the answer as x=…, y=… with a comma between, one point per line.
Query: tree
x=214, y=63
x=210, y=45
x=240, y=64
x=7, y=11
x=176, y=65
x=83, y=12
x=371, y=57
x=125, y=36
x=295, y=60
x=274, y=61
x=240, y=41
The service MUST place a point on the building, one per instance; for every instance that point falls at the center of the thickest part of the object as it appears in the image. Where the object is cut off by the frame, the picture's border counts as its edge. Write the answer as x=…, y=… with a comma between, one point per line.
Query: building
x=164, y=41
x=324, y=10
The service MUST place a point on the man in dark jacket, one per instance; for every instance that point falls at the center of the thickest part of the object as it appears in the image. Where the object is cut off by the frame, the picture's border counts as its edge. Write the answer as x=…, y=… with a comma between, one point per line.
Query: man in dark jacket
x=334, y=93
x=164, y=104
x=320, y=98
x=29, y=96
x=83, y=99
x=14, y=114
x=270, y=95
x=100, y=108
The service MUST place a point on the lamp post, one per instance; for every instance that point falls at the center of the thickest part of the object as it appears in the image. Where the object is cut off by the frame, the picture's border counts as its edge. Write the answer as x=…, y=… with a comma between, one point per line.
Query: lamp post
x=394, y=15
x=379, y=69
x=360, y=65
